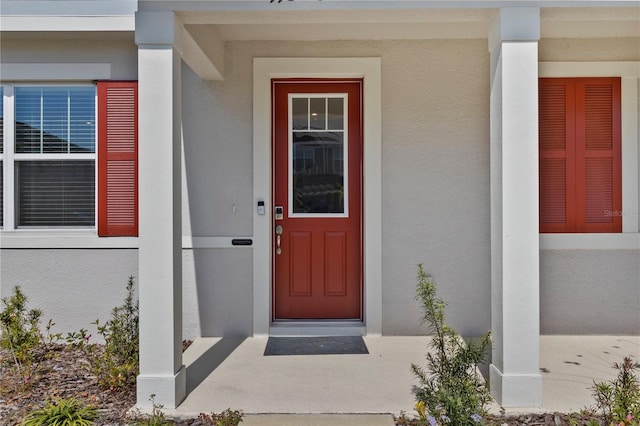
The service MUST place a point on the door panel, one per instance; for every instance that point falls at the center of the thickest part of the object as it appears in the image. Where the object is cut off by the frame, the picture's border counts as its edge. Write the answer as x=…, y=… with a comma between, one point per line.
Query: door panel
x=317, y=163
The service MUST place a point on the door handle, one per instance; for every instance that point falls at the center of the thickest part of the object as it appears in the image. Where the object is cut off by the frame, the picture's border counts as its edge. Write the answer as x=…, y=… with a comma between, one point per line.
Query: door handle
x=278, y=234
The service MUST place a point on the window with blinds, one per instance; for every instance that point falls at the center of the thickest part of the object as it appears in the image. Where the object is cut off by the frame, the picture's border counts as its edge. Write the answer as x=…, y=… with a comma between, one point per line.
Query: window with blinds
x=69, y=154
x=1, y=157
x=55, y=145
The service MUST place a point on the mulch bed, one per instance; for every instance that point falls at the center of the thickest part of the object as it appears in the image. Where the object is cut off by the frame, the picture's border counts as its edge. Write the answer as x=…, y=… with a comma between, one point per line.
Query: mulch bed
x=64, y=373
x=61, y=372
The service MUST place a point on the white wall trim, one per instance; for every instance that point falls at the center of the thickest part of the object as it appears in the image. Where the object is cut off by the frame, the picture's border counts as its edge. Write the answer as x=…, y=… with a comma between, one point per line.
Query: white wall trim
x=67, y=23
x=57, y=239
x=629, y=71
x=63, y=240
x=589, y=241
x=54, y=72
x=589, y=69
x=189, y=242
x=264, y=69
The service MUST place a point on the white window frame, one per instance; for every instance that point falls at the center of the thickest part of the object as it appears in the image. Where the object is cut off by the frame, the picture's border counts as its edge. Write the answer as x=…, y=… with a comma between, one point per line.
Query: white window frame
x=16, y=74
x=11, y=158
x=345, y=150
x=3, y=157
x=629, y=239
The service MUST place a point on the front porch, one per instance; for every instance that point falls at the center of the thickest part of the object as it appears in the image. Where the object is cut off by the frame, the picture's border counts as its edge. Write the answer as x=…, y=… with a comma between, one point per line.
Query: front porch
x=454, y=120
x=232, y=372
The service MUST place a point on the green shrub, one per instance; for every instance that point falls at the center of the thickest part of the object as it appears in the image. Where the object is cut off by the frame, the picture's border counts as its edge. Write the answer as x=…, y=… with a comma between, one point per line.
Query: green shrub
x=619, y=399
x=116, y=364
x=451, y=390
x=20, y=332
x=119, y=364
x=62, y=412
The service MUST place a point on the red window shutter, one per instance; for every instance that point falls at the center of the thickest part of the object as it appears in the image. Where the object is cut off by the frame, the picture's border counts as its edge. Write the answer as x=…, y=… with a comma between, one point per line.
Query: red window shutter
x=556, y=105
x=598, y=155
x=117, y=159
x=580, y=155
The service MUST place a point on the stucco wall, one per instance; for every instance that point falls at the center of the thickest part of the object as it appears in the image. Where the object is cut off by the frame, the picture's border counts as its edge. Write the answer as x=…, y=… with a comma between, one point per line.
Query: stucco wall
x=590, y=49
x=73, y=287
x=435, y=169
x=121, y=54
x=590, y=292
x=435, y=195
x=435, y=182
x=217, y=296
x=435, y=166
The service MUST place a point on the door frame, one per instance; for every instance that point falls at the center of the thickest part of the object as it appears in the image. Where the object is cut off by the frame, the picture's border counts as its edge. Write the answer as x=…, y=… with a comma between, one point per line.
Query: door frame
x=349, y=220
x=369, y=69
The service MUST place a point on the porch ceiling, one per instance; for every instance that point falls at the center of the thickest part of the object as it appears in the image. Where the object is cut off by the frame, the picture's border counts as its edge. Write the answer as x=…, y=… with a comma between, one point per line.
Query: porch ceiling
x=309, y=25
x=206, y=31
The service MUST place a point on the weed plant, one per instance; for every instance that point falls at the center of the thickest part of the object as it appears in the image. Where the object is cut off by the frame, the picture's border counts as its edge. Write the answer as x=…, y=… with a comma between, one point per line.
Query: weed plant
x=157, y=417
x=451, y=390
x=228, y=417
x=62, y=412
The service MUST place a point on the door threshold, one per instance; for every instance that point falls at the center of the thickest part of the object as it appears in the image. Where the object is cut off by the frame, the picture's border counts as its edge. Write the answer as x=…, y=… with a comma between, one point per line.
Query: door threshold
x=293, y=328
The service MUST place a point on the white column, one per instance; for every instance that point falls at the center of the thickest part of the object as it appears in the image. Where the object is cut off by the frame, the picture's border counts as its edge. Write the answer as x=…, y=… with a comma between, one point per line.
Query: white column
x=160, y=240
x=515, y=281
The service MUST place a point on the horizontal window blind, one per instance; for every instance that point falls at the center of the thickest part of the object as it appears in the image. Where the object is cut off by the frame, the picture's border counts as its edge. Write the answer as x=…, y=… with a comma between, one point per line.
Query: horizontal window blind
x=1, y=194
x=56, y=193
x=1, y=152
x=1, y=122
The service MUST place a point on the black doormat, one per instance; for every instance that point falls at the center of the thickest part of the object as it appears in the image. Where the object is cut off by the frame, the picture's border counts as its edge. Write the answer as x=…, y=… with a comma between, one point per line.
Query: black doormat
x=331, y=345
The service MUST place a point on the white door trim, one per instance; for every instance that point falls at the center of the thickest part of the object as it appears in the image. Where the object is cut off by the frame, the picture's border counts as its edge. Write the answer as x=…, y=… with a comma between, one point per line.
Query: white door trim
x=265, y=69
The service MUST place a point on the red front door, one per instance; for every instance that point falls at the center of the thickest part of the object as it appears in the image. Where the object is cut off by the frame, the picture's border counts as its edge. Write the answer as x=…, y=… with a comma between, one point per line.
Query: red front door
x=317, y=163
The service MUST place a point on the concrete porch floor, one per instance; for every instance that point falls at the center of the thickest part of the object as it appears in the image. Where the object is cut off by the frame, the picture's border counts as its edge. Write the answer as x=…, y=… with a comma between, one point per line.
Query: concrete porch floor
x=232, y=372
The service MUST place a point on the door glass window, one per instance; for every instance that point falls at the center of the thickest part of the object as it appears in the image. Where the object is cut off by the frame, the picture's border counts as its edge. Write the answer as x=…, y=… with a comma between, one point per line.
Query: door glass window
x=318, y=155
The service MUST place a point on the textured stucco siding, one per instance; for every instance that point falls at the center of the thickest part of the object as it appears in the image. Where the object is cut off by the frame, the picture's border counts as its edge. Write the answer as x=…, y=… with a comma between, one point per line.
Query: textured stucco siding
x=218, y=288
x=590, y=292
x=73, y=287
x=435, y=183
x=435, y=154
x=435, y=195
x=120, y=54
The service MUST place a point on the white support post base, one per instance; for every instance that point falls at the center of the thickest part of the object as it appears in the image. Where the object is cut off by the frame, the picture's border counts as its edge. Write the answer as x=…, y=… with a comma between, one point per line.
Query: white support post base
x=166, y=390
x=515, y=390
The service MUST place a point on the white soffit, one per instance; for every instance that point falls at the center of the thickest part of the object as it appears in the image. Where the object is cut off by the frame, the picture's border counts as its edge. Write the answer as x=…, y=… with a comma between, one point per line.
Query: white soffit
x=590, y=22
x=304, y=25
x=315, y=32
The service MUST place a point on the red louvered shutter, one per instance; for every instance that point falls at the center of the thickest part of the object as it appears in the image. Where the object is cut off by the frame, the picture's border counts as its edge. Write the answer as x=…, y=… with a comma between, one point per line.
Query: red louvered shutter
x=580, y=155
x=598, y=156
x=117, y=159
x=557, y=166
